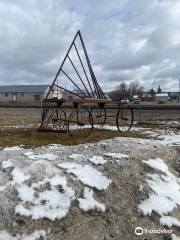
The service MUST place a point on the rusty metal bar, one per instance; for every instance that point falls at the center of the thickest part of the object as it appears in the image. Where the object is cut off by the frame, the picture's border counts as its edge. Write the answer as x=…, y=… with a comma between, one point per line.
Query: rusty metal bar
x=78, y=75
x=72, y=82
x=88, y=62
x=83, y=69
x=68, y=91
x=62, y=65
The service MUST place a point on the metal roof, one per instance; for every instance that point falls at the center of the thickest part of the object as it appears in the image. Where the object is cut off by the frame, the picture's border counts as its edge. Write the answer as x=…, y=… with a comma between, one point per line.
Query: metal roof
x=23, y=88
x=162, y=95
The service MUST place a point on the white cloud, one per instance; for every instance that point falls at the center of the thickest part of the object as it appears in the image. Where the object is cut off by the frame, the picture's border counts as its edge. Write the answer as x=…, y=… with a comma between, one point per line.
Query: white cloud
x=126, y=40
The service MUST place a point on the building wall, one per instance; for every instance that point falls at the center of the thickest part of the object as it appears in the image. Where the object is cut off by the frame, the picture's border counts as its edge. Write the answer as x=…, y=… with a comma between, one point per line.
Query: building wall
x=21, y=97
x=162, y=99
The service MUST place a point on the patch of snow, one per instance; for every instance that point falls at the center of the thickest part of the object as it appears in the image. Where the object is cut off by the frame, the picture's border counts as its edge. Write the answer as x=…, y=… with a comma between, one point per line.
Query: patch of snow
x=25, y=193
x=88, y=202
x=69, y=192
x=75, y=156
x=28, y=153
x=7, y=164
x=169, y=221
x=159, y=204
x=50, y=204
x=33, y=236
x=172, y=139
x=174, y=237
x=13, y=148
x=97, y=160
x=116, y=155
x=58, y=180
x=19, y=176
x=157, y=164
x=55, y=146
x=47, y=156
x=165, y=187
x=87, y=175
x=109, y=127
x=2, y=188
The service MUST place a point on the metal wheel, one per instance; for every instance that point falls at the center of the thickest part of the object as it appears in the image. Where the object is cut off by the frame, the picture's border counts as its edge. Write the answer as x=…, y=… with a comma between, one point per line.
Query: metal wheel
x=124, y=118
x=80, y=123
x=59, y=119
x=99, y=116
x=54, y=119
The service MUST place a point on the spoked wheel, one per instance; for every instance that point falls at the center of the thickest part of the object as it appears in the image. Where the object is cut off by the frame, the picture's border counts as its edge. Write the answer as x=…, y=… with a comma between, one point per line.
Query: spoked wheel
x=99, y=116
x=59, y=119
x=80, y=123
x=54, y=119
x=124, y=118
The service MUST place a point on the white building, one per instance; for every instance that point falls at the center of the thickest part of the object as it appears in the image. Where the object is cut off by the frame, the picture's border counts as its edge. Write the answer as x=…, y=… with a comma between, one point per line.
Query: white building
x=162, y=98
x=22, y=93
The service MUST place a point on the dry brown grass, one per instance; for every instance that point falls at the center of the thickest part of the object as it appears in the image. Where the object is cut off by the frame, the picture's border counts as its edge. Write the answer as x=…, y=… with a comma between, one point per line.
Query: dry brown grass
x=33, y=138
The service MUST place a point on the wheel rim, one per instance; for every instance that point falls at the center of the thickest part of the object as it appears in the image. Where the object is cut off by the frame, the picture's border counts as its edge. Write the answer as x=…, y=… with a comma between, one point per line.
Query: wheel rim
x=54, y=119
x=80, y=123
x=124, y=119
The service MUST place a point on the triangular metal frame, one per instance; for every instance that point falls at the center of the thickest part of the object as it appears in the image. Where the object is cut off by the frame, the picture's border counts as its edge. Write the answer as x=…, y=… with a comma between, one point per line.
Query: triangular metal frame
x=91, y=86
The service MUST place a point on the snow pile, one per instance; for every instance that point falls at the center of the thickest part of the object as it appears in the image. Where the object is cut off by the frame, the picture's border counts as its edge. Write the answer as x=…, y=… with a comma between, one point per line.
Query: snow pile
x=97, y=160
x=88, y=202
x=165, y=194
x=34, y=236
x=87, y=175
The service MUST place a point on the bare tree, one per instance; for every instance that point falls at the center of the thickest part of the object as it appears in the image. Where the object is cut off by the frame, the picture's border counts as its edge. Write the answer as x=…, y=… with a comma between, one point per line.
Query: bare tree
x=125, y=90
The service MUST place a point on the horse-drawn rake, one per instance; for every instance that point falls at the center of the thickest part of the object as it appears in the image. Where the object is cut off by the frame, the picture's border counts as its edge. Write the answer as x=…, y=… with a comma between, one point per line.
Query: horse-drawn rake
x=75, y=102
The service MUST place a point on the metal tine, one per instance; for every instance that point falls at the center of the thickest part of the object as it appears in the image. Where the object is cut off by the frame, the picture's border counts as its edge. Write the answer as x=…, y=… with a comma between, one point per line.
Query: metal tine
x=95, y=90
x=79, y=75
x=72, y=82
x=82, y=65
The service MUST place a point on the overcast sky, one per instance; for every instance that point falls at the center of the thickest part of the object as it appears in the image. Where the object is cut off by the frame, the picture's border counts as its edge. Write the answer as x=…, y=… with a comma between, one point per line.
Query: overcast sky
x=126, y=40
